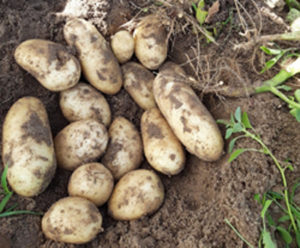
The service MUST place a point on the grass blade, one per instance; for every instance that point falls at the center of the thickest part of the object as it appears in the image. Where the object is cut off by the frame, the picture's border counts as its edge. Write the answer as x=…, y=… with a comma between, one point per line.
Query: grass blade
x=4, y=181
x=235, y=154
x=17, y=212
x=4, y=201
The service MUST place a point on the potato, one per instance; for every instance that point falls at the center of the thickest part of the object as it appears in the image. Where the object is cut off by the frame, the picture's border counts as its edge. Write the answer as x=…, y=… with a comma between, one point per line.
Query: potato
x=80, y=142
x=124, y=152
x=138, y=82
x=49, y=63
x=151, y=42
x=93, y=182
x=162, y=148
x=72, y=220
x=84, y=102
x=138, y=193
x=187, y=116
x=122, y=44
x=99, y=65
x=27, y=147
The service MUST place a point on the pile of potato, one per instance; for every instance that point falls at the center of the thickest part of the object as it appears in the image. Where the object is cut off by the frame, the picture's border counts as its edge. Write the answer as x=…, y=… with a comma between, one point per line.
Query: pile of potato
x=174, y=117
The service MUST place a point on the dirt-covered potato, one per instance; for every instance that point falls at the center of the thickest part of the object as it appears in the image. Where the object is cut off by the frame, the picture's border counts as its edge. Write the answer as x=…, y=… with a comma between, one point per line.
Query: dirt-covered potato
x=187, y=116
x=27, y=147
x=49, y=63
x=124, y=152
x=84, y=102
x=80, y=142
x=138, y=82
x=151, y=42
x=122, y=44
x=99, y=65
x=138, y=193
x=162, y=149
x=72, y=220
x=93, y=182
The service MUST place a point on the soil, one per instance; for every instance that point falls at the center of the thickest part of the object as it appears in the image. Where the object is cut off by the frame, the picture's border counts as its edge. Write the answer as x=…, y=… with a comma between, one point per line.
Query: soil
x=204, y=194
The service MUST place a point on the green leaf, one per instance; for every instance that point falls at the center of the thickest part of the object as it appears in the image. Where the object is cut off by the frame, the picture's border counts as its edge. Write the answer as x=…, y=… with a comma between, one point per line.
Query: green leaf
x=267, y=240
x=274, y=195
x=284, y=218
x=290, y=167
x=237, y=127
x=232, y=143
x=4, y=201
x=238, y=114
x=200, y=13
x=294, y=188
x=285, y=234
x=194, y=6
x=270, y=63
x=235, y=154
x=270, y=220
x=232, y=119
x=297, y=115
x=270, y=51
x=257, y=198
x=284, y=87
x=4, y=181
x=265, y=208
x=228, y=133
x=298, y=238
x=297, y=94
x=245, y=120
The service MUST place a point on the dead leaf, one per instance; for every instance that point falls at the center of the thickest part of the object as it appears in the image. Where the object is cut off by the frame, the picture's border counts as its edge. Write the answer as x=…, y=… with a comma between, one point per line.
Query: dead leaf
x=214, y=9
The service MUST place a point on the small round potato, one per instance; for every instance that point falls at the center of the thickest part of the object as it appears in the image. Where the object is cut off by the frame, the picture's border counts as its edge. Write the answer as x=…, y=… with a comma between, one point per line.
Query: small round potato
x=72, y=220
x=122, y=44
x=138, y=193
x=27, y=147
x=93, y=182
x=162, y=149
x=49, y=63
x=187, y=116
x=80, y=142
x=99, y=65
x=138, y=82
x=124, y=152
x=151, y=42
x=84, y=102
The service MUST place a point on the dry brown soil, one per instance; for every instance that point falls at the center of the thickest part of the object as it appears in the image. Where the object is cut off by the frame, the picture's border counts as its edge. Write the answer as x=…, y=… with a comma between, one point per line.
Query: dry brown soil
x=204, y=194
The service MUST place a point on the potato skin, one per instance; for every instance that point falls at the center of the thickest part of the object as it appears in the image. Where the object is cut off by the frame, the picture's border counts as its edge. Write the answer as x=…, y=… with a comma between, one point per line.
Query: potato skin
x=151, y=42
x=162, y=148
x=122, y=44
x=27, y=147
x=49, y=63
x=99, y=65
x=138, y=193
x=187, y=116
x=125, y=151
x=138, y=82
x=72, y=220
x=83, y=102
x=93, y=182
x=80, y=142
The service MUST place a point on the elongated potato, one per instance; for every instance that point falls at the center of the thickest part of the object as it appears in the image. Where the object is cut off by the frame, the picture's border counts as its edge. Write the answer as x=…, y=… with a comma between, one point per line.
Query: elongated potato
x=99, y=65
x=188, y=117
x=72, y=220
x=124, y=152
x=138, y=193
x=80, y=142
x=151, y=42
x=93, y=182
x=49, y=63
x=122, y=44
x=27, y=147
x=84, y=102
x=162, y=148
x=138, y=82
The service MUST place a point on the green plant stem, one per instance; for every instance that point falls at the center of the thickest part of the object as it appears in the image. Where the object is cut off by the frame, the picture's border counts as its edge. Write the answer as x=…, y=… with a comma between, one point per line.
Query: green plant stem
x=281, y=170
x=278, y=93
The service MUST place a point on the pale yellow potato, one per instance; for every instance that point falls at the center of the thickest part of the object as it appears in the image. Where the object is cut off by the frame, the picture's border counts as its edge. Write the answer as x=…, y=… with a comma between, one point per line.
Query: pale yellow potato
x=27, y=147
x=72, y=220
x=93, y=182
x=99, y=65
x=125, y=150
x=79, y=143
x=162, y=149
x=137, y=194
x=122, y=45
x=138, y=82
x=151, y=42
x=49, y=62
x=187, y=116
x=83, y=102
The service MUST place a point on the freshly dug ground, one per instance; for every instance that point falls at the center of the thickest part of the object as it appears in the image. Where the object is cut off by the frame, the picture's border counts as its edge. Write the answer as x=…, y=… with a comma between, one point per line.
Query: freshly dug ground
x=204, y=194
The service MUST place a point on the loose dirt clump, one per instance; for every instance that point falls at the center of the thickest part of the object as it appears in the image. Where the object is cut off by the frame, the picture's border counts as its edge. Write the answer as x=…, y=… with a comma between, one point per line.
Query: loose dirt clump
x=204, y=194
